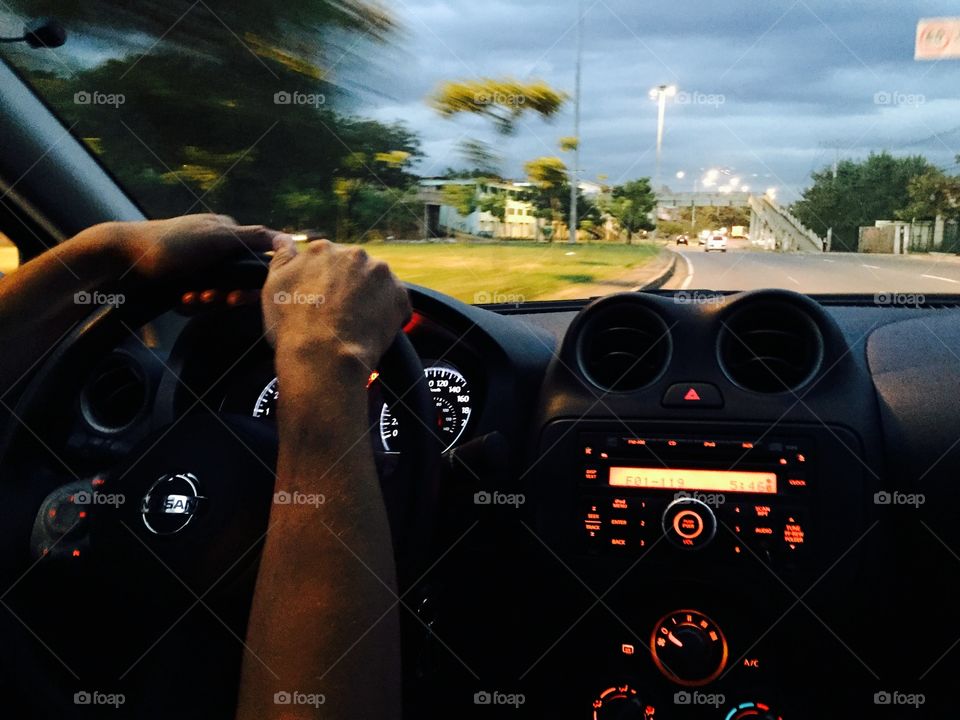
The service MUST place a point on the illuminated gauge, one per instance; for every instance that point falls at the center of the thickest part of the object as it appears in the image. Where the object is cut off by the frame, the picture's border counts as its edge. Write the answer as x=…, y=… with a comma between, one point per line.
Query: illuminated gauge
x=621, y=701
x=451, y=397
x=753, y=711
x=266, y=405
x=688, y=648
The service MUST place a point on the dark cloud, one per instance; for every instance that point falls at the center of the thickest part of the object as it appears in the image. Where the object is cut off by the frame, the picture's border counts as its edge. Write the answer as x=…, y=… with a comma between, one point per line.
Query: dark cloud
x=772, y=89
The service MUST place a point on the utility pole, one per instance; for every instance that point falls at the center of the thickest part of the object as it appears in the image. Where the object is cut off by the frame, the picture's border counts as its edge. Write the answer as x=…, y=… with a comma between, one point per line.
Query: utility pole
x=575, y=175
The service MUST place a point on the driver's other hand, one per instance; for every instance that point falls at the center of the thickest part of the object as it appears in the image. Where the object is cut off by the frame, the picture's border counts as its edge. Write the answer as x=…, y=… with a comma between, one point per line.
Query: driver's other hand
x=163, y=248
x=332, y=301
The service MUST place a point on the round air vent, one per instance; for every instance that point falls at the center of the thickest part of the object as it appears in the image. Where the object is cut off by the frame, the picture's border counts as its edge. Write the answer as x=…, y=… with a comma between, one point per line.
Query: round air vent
x=770, y=347
x=115, y=394
x=623, y=347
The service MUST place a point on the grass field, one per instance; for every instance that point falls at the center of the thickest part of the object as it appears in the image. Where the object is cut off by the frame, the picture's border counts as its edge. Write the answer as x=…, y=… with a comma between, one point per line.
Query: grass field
x=511, y=271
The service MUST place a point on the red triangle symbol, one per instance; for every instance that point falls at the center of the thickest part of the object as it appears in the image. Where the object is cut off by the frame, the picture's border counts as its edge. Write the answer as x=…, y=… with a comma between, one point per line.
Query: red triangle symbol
x=691, y=395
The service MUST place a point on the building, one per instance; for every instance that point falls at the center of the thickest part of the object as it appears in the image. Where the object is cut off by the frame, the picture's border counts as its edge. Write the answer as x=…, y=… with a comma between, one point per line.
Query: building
x=519, y=221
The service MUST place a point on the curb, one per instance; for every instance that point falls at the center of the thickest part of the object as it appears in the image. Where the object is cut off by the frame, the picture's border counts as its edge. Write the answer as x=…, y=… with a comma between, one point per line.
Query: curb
x=661, y=279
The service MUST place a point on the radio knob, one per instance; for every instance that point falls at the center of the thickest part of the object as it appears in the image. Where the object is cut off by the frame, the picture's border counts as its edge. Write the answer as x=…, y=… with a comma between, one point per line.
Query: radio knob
x=689, y=523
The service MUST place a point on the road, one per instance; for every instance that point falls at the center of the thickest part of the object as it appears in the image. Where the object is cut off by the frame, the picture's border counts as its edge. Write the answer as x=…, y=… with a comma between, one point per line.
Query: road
x=744, y=268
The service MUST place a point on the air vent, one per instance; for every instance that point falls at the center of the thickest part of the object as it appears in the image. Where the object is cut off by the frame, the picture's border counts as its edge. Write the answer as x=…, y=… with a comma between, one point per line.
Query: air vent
x=623, y=347
x=115, y=394
x=770, y=347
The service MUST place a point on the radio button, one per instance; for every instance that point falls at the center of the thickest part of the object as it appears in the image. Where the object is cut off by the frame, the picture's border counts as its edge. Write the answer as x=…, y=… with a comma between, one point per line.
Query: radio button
x=689, y=523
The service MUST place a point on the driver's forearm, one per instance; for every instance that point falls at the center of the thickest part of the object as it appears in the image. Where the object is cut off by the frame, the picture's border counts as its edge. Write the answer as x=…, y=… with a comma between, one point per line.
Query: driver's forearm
x=324, y=621
x=41, y=300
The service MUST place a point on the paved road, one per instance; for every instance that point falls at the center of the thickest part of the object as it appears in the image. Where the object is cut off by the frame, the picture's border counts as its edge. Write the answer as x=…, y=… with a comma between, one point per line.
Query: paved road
x=745, y=269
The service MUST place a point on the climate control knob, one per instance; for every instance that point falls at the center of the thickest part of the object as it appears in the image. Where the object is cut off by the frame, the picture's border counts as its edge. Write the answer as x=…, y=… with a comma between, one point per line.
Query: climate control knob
x=689, y=648
x=689, y=523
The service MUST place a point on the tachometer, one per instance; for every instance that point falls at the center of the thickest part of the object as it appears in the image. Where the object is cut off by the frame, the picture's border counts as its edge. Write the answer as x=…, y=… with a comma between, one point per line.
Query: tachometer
x=451, y=397
x=266, y=405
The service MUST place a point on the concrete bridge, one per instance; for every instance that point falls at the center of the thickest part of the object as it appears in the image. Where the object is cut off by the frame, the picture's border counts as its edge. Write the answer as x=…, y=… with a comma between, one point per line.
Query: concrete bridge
x=771, y=225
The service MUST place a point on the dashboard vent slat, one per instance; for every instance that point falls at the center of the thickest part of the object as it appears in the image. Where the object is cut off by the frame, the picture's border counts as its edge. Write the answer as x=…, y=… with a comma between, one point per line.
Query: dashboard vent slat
x=770, y=347
x=623, y=347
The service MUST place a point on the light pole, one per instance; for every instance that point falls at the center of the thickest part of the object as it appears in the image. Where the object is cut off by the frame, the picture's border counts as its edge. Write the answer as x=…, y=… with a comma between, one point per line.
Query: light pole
x=660, y=94
x=575, y=175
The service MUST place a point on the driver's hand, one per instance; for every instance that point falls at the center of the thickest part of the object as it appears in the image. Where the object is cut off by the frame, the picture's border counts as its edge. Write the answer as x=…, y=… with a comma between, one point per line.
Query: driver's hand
x=162, y=248
x=332, y=302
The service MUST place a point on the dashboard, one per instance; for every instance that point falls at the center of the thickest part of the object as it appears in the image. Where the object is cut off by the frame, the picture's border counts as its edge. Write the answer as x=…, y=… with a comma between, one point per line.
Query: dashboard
x=649, y=507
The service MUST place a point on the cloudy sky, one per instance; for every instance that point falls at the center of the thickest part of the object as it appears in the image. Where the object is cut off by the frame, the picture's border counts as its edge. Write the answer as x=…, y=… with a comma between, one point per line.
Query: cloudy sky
x=771, y=90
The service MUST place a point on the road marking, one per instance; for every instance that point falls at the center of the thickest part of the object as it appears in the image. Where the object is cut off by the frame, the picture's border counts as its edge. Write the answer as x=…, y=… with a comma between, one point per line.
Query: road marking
x=793, y=280
x=937, y=277
x=689, y=279
x=872, y=267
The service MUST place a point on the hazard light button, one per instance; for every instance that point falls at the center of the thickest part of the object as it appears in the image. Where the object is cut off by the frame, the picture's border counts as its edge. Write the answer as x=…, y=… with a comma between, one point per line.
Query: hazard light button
x=695, y=394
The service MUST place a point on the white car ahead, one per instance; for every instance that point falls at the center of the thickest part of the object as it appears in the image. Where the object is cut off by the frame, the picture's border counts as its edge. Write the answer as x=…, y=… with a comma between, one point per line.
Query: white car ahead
x=716, y=242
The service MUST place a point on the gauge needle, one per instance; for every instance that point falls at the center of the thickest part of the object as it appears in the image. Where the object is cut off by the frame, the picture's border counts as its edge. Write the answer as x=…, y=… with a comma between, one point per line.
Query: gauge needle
x=673, y=638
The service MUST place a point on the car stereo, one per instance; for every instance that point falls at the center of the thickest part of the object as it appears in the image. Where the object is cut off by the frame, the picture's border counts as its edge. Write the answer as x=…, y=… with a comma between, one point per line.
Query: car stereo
x=735, y=496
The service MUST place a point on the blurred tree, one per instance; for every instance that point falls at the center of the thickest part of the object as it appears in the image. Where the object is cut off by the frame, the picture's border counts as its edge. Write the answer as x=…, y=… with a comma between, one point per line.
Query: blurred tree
x=931, y=194
x=503, y=100
x=228, y=105
x=462, y=198
x=481, y=156
x=549, y=177
x=569, y=143
x=631, y=205
x=858, y=194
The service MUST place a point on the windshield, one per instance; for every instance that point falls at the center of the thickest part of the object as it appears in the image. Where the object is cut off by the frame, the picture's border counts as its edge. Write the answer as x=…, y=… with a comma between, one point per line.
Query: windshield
x=715, y=146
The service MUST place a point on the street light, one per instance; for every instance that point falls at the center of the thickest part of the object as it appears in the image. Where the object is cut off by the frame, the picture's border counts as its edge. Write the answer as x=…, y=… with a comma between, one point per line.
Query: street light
x=660, y=95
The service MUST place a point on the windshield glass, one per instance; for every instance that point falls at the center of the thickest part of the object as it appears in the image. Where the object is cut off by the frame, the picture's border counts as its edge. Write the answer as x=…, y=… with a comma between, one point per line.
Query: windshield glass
x=717, y=146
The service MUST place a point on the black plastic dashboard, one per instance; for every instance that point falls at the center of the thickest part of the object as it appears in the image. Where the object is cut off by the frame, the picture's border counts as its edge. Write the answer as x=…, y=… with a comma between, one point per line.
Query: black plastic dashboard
x=762, y=482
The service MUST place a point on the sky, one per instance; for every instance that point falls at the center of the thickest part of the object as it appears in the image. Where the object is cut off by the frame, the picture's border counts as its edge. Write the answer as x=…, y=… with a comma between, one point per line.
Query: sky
x=769, y=90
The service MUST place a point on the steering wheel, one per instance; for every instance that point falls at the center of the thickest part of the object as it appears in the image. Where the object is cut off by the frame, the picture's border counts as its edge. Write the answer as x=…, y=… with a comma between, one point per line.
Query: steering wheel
x=196, y=498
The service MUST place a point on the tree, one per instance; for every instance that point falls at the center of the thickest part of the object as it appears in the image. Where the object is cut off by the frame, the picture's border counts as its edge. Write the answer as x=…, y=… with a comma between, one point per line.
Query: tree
x=931, y=194
x=631, y=205
x=495, y=204
x=549, y=177
x=860, y=193
x=503, y=100
x=462, y=198
x=481, y=156
x=190, y=138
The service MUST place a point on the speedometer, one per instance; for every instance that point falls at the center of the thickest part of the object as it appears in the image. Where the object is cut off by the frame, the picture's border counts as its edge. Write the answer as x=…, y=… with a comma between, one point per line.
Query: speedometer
x=451, y=397
x=266, y=405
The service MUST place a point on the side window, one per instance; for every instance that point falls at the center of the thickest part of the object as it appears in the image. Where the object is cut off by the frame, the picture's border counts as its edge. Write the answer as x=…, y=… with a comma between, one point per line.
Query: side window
x=9, y=255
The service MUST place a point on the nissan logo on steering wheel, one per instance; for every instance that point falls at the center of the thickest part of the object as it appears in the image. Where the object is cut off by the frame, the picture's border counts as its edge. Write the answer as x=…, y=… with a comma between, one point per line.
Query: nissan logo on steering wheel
x=171, y=503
